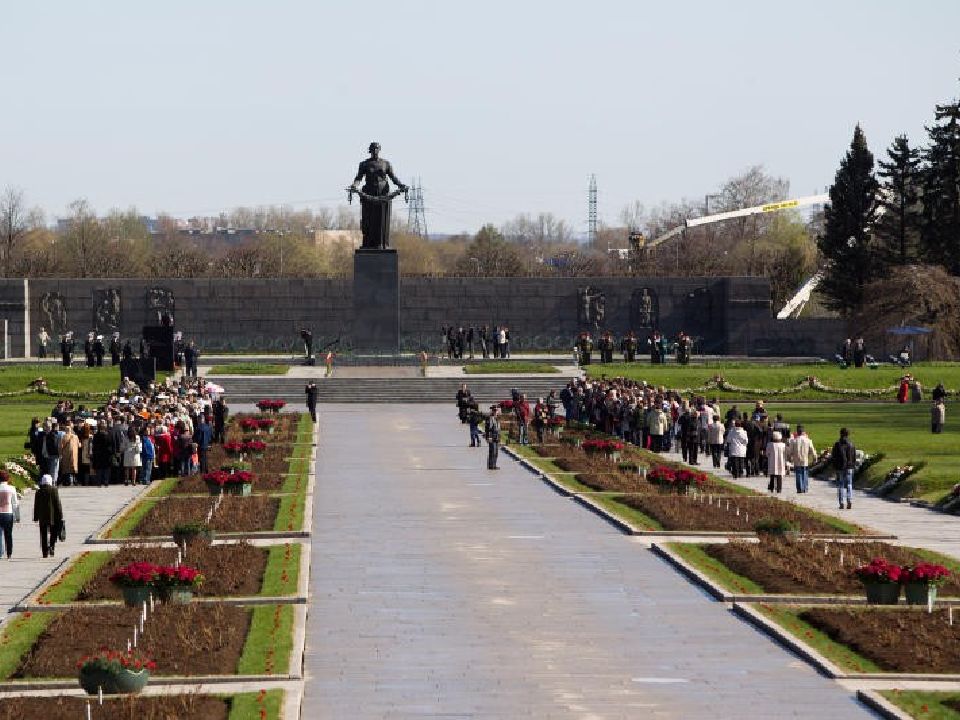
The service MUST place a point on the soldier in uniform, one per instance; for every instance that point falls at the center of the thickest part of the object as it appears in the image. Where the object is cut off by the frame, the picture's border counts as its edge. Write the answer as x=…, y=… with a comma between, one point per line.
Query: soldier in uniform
x=99, y=350
x=629, y=347
x=585, y=346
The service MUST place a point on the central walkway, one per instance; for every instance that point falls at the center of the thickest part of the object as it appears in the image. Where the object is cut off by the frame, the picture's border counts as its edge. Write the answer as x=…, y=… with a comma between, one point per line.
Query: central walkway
x=442, y=590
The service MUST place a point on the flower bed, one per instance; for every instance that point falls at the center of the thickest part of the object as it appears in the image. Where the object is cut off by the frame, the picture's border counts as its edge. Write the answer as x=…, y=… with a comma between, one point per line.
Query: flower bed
x=615, y=482
x=274, y=406
x=684, y=512
x=195, y=484
x=234, y=569
x=181, y=639
x=164, y=707
x=235, y=514
x=897, y=640
x=784, y=566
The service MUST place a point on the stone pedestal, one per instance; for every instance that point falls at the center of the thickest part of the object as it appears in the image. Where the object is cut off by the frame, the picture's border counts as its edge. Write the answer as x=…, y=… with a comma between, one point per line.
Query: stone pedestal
x=376, y=301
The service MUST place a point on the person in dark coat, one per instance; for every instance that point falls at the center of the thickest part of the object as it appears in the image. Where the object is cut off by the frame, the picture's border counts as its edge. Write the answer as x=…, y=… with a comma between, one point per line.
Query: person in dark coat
x=843, y=457
x=88, y=350
x=115, y=349
x=203, y=437
x=220, y=414
x=49, y=513
x=311, y=392
x=99, y=350
x=101, y=455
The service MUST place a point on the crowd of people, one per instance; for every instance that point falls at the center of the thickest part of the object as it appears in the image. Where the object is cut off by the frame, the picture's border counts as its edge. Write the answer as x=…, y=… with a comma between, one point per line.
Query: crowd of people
x=748, y=443
x=139, y=435
x=186, y=352
x=457, y=342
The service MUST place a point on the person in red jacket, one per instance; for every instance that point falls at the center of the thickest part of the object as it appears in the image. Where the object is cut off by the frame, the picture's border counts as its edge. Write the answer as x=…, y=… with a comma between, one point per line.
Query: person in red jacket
x=522, y=410
x=164, y=450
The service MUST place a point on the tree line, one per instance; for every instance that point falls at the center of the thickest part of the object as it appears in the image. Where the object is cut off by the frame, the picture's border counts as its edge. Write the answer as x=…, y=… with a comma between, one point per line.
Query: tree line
x=894, y=218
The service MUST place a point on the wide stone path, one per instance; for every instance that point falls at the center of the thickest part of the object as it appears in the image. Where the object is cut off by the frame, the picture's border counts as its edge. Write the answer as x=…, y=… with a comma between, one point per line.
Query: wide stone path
x=442, y=590
x=85, y=510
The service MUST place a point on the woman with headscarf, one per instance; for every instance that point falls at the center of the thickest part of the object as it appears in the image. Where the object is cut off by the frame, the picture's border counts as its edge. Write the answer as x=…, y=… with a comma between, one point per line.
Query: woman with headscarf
x=49, y=513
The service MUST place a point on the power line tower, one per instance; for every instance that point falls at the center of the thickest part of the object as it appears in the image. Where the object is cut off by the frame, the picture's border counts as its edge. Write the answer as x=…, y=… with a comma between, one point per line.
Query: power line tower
x=416, y=214
x=592, y=211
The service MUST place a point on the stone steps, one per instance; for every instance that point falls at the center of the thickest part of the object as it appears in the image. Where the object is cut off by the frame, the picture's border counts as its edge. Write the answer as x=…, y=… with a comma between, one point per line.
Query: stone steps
x=387, y=390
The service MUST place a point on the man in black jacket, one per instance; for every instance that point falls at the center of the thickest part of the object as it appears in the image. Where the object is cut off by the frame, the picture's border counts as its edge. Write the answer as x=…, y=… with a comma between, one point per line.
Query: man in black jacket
x=844, y=459
x=311, y=392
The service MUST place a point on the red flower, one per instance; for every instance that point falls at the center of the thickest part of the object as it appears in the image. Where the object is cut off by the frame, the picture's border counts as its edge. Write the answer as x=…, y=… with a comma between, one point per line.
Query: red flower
x=927, y=573
x=138, y=574
x=879, y=570
x=271, y=405
x=222, y=477
x=254, y=446
x=233, y=447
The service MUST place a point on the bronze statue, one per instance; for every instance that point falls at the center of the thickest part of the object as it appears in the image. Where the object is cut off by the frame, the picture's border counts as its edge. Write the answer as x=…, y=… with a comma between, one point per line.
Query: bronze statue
x=375, y=197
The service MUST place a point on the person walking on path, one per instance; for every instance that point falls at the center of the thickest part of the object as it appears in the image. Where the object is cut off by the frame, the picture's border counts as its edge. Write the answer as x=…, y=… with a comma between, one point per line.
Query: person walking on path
x=715, y=433
x=522, y=410
x=473, y=418
x=737, y=448
x=492, y=432
x=131, y=447
x=147, y=455
x=9, y=514
x=776, y=462
x=311, y=392
x=69, y=455
x=938, y=416
x=541, y=416
x=51, y=448
x=844, y=459
x=801, y=454
x=101, y=454
x=203, y=437
x=49, y=513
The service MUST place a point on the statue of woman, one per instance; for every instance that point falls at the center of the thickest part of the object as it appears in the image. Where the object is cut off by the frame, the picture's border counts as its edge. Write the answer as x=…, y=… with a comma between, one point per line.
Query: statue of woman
x=375, y=214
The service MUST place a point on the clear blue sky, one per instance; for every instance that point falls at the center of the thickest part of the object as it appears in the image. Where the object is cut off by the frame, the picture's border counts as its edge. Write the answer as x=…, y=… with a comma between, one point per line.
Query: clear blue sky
x=500, y=107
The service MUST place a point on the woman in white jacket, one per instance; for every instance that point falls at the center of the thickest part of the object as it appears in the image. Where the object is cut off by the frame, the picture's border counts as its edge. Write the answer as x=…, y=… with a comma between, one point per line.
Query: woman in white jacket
x=737, y=448
x=776, y=462
x=131, y=447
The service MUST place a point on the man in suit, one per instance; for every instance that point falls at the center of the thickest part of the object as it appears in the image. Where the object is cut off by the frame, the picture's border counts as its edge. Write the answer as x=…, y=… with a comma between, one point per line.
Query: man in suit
x=492, y=432
x=311, y=392
x=203, y=437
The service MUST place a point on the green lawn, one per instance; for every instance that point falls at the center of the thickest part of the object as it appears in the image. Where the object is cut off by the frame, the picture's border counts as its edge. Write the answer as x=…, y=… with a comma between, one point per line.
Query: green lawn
x=900, y=432
x=269, y=642
x=775, y=377
x=925, y=704
x=249, y=368
x=248, y=706
x=509, y=367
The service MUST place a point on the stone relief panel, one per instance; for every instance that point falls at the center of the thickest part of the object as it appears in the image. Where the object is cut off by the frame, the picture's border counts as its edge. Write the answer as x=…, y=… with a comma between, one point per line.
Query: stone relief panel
x=644, y=309
x=160, y=306
x=106, y=310
x=53, y=314
x=591, y=307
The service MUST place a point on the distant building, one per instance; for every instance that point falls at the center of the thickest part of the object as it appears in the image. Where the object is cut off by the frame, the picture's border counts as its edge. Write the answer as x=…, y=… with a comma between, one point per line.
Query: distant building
x=325, y=238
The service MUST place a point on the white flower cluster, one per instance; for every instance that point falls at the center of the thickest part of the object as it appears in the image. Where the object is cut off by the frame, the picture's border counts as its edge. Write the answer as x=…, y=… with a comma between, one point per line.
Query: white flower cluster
x=16, y=469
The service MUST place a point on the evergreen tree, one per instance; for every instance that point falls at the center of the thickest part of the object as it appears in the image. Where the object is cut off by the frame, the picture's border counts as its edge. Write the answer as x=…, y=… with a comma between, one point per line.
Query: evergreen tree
x=941, y=190
x=846, y=242
x=897, y=229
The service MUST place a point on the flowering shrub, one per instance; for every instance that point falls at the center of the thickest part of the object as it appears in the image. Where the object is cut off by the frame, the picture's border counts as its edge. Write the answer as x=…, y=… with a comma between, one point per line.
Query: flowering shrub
x=138, y=574
x=233, y=447
x=256, y=446
x=879, y=570
x=180, y=577
x=266, y=423
x=271, y=405
x=662, y=475
x=114, y=661
x=222, y=477
x=601, y=446
x=926, y=573
x=250, y=424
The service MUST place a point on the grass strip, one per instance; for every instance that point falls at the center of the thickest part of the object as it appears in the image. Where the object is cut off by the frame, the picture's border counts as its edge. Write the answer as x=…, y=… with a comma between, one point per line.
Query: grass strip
x=125, y=524
x=840, y=655
x=633, y=516
x=19, y=635
x=162, y=488
x=80, y=572
x=695, y=555
x=269, y=642
x=290, y=513
x=493, y=367
x=925, y=704
x=264, y=705
x=282, y=573
x=249, y=369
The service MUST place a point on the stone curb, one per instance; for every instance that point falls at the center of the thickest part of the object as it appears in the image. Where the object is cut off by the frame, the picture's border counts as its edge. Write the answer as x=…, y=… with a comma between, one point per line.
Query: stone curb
x=188, y=681
x=880, y=705
x=240, y=601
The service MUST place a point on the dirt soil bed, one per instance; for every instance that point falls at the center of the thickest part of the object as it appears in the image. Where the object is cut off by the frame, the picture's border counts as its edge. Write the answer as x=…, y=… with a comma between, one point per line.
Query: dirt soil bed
x=684, y=512
x=228, y=570
x=787, y=566
x=175, y=707
x=896, y=640
x=236, y=514
x=617, y=482
x=182, y=639
x=194, y=484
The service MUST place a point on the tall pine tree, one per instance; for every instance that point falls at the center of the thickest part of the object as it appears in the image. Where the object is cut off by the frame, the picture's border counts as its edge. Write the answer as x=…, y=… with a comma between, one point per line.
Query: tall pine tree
x=941, y=190
x=897, y=230
x=846, y=242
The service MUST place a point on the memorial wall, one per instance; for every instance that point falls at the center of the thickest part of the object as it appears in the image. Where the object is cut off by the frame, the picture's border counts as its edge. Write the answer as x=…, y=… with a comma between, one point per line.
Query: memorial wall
x=727, y=315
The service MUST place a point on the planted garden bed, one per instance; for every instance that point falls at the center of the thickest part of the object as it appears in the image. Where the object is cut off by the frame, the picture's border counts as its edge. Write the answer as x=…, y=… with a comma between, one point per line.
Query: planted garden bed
x=235, y=514
x=118, y=708
x=234, y=569
x=182, y=639
x=262, y=484
x=896, y=640
x=685, y=512
x=805, y=567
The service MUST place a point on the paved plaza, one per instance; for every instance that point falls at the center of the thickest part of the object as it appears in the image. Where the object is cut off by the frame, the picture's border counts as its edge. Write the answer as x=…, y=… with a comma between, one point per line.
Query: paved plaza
x=443, y=590
x=85, y=510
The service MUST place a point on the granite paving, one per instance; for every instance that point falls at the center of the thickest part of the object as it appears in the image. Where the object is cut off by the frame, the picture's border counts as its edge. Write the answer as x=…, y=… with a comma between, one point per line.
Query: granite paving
x=440, y=589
